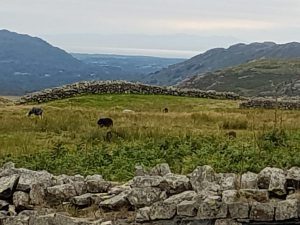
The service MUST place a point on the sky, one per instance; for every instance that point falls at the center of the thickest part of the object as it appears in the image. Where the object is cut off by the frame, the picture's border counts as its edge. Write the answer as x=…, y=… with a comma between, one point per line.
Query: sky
x=168, y=28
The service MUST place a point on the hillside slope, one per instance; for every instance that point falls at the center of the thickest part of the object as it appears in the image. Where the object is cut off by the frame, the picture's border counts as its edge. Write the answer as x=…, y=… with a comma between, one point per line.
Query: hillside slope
x=256, y=78
x=221, y=58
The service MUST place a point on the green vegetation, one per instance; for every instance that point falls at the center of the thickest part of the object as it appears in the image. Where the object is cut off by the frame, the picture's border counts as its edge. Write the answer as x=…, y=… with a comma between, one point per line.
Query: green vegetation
x=259, y=77
x=194, y=132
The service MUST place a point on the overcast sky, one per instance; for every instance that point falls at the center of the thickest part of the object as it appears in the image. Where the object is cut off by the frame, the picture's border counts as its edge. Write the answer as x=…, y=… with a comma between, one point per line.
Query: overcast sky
x=176, y=28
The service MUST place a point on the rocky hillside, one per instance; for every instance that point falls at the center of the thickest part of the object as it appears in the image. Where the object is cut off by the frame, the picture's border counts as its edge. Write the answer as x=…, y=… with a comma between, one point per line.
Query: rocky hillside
x=256, y=78
x=221, y=58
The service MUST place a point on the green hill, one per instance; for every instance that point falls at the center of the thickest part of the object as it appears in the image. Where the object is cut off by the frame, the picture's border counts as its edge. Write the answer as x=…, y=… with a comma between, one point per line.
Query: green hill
x=256, y=78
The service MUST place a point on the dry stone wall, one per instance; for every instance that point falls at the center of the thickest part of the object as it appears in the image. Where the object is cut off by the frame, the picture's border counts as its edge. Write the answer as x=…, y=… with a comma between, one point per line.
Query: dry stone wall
x=271, y=104
x=119, y=87
x=155, y=197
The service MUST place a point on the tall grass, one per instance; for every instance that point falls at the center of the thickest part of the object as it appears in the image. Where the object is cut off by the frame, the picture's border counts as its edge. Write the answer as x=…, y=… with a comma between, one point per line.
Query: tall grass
x=68, y=139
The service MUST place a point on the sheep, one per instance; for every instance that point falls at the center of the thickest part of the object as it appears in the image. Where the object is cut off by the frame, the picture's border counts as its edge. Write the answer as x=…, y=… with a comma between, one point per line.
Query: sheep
x=105, y=122
x=165, y=110
x=128, y=111
x=36, y=111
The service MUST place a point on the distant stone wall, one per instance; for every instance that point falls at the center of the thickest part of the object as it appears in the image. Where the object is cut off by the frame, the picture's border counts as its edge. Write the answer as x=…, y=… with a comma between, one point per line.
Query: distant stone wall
x=118, y=87
x=153, y=197
x=271, y=104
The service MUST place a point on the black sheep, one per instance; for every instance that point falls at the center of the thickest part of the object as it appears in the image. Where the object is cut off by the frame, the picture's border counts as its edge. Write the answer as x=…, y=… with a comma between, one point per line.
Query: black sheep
x=105, y=122
x=36, y=111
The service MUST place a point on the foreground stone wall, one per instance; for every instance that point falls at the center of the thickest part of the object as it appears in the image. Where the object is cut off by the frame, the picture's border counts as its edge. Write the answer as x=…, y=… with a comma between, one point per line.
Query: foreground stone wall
x=271, y=104
x=152, y=197
x=118, y=87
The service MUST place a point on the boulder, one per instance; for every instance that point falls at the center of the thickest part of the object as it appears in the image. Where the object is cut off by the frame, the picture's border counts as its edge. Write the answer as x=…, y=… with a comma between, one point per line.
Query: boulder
x=187, y=208
x=118, y=189
x=162, y=211
x=293, y=178
x=82, y=201
x=29, y=177
x=176, y=199
x=272, y=179
x=141, y=197
x=160, y=170
x=117, y=201
x=21, y=200
x=262, y=212
x=230, y=196
x=250, y=195
x=174, y=183
x=4, y=205
x=61, y=193
x=204, y=178
x=8, y=185
x=239, y=210
x=286, y=210
x=140, y=171
x=147, y=181
x=143, y=215
x=227, y=181
x=249, y=181
x=37, y=194
x=97, y=186
x=212, y=208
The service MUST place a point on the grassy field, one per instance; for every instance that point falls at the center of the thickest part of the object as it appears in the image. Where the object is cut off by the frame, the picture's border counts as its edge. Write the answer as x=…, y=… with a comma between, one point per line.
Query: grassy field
x=194, y=132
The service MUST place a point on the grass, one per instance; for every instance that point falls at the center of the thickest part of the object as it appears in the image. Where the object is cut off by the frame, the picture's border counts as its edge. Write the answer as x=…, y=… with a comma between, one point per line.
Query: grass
x=68, y=140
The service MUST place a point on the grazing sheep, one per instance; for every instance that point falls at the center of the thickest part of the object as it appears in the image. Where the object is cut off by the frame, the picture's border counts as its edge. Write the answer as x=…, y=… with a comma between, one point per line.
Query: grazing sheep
x=128, y=111
x=105, y=122
x=36, y=111
x=231, y=134
x=165, y=110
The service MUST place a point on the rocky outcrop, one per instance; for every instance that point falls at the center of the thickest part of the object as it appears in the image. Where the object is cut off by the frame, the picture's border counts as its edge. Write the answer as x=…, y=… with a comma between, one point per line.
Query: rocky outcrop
x=154, y=197
x=118, y=87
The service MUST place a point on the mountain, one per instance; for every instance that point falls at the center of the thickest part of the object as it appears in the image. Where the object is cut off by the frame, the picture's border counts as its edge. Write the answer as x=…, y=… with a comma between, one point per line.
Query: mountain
x=220, y=58
x=257, y=78
x=29, y=64
x=132, y=68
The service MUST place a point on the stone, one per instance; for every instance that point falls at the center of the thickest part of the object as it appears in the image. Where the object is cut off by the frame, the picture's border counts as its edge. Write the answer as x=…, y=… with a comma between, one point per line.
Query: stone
x=174, y=183
x=272, y=179
x=61, y=193
x=259, y=195
x=160, y=170
x=204, y=178
x=141, y=197
x=37, y=194
x=249, y=181
x=139, y=171
x=4, y=205
x=187, y=208
x=97, y=186
x=100, y=197
x=29, y=177
x=293, y=178
x=143, y=215
x=239, y=210
x=12, y=210
x=147, y=181
x=227, y=222
x=117, y=201
x=227, y=181
x=80, y=187
x=230, y=196
x=21, y=200
x=118, y=189
x=176, y=199
x=286, y=210
x=262, y=212
x=8, y=185
x=162, y=211
x=212, y=208
x=81, y=201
